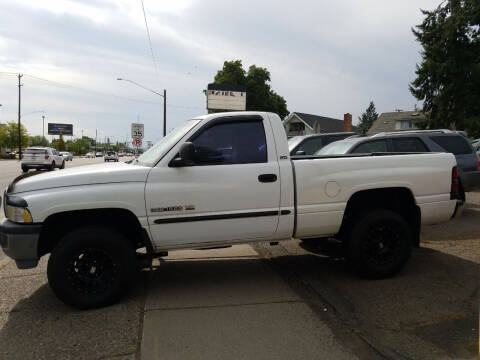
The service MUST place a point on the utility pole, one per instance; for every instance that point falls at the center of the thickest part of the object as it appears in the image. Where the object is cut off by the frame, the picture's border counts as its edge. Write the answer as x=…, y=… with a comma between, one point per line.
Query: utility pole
x=164, y=112
x=43, y=130
x=95, y=142
x=155, y=92
x=19, y=124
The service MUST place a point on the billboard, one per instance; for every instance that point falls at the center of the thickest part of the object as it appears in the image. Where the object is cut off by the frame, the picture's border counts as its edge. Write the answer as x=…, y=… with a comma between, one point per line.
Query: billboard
x=57, y=129
x=226, y=97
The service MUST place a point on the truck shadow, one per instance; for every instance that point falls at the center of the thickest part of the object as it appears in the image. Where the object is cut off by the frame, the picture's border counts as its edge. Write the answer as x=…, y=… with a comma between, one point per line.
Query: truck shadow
x=430, y=310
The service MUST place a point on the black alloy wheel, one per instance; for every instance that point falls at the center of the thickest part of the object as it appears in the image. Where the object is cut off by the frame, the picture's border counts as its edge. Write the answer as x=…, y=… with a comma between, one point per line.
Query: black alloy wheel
x=379, y=243
x=92, y=267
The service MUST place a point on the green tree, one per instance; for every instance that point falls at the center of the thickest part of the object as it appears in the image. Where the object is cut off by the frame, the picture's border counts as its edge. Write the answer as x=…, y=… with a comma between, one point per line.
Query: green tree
x=260, y=96
x=9, y=135
x=232, y=73
x=78, y=146
x=448, y=77
x=38, y=141
x=368, y=118
x=59, y=143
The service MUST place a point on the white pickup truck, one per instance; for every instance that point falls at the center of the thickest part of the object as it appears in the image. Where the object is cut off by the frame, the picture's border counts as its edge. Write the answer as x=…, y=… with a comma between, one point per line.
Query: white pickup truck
x=220, y=179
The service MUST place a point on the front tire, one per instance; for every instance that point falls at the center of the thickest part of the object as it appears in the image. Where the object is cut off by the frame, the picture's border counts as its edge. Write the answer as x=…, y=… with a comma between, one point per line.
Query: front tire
x=379, y=243
x=63, y=165
x=52, y=166
x=92, y=267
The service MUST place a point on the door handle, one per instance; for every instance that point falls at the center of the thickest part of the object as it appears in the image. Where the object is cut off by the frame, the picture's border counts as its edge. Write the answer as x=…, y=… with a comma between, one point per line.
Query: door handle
x=267, y=178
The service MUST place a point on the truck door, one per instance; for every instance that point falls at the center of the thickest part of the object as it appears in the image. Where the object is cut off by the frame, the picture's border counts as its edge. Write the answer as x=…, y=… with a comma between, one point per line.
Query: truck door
x=231, y=192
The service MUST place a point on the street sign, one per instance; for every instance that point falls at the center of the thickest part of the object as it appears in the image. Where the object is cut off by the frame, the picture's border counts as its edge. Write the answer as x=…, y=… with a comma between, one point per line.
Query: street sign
x=137, y=142
x=137, y=131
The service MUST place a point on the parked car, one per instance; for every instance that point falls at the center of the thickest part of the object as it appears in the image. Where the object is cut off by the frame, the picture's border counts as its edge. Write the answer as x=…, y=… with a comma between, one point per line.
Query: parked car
x=417, y=141
x=111, y=156
x=42, y=158
x=121, y=154
x=187, y=196
x=66, y=155
x=99, y=154
x=90, y=155
x=310, y=144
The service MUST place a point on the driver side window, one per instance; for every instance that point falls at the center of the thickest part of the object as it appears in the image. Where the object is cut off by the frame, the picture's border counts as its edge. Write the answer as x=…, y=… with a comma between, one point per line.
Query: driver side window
x=238, y=142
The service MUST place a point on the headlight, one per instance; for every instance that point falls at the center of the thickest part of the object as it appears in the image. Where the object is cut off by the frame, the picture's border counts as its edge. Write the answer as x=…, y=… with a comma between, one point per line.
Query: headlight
x=18, y=214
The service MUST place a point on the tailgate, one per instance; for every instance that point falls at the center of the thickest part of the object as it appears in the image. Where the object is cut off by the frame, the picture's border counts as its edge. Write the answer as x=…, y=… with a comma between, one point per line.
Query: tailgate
x=33, y=155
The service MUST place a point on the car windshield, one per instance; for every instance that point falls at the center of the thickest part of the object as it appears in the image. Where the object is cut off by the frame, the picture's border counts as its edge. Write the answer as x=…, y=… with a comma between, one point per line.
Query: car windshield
x=293, y=142
x=110, y=153
x=335, y=148
x=155, y=153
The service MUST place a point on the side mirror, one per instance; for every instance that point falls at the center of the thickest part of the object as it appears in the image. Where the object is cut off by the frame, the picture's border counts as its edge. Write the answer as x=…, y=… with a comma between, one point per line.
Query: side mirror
x=300, y=152
x=187, y=152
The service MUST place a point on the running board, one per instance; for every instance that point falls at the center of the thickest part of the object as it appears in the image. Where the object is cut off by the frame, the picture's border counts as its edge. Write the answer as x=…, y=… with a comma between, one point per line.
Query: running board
x=216, y=247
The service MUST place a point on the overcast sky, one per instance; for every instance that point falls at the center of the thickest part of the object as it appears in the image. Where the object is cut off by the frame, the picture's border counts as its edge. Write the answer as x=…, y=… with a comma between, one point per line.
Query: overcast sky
x=325, y=57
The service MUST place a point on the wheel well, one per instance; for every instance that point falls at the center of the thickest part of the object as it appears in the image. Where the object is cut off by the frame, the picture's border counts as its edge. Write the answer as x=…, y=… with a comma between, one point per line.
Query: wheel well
x=57, y=225
x=399, y=200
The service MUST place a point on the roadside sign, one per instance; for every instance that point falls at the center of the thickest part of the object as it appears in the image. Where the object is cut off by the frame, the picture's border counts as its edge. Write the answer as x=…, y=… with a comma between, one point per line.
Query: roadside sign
x=137, y=131
x=137, y=142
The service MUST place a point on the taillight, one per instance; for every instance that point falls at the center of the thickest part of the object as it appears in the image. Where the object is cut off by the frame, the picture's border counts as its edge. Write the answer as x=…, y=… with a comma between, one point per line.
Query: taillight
x=478, y=162
x=46, y=157
x=455, y=184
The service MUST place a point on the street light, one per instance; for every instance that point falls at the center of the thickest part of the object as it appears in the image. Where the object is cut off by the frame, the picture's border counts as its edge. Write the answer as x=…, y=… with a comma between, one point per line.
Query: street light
x=164, y=95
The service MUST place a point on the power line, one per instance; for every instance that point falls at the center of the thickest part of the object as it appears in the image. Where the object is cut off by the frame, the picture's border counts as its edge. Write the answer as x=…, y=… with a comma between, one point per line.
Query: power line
x=62, y=84
x=149, y=40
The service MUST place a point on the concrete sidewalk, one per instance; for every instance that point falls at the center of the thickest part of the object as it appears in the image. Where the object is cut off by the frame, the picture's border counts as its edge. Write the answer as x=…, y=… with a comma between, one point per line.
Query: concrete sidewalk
x=212, y=304
x=227, y=304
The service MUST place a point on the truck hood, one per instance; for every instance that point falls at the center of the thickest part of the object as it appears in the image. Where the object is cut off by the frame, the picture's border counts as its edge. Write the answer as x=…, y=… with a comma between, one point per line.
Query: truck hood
x=81, y=175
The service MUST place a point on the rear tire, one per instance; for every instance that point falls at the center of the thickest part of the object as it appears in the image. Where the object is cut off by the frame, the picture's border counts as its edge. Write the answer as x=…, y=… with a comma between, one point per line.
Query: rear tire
x=92, y=267
x=379, y=243
x=24, y=168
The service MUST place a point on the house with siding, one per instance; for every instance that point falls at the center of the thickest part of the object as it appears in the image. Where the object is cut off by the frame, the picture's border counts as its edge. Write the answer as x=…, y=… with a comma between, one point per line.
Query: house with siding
x=396, y=121
x=306, y=124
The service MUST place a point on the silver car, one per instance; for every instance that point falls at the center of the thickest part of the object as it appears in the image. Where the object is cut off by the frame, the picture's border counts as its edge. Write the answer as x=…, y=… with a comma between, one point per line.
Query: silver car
x=42, y=158
x=66, y=155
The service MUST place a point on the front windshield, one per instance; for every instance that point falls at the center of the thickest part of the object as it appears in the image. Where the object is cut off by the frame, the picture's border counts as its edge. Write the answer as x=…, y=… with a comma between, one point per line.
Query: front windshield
x=152, y=155
x=335, y=148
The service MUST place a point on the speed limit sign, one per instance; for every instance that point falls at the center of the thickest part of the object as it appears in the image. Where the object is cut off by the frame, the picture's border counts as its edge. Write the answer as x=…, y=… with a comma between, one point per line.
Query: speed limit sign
x=137, y=131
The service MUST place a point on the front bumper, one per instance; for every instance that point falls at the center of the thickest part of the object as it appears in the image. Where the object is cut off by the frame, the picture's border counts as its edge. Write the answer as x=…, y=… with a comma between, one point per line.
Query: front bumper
x=20, y=242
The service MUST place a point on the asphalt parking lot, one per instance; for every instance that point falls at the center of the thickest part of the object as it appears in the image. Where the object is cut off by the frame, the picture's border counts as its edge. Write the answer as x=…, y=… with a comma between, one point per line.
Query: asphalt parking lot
x=261, y=302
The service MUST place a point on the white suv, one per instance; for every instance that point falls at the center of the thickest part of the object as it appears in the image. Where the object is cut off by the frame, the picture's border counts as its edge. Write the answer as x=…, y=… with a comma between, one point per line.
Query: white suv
x=42, y=158
x=111, y=156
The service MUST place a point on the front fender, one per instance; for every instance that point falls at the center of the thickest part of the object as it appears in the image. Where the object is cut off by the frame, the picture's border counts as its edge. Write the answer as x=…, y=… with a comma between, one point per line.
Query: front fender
x=125, y=195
